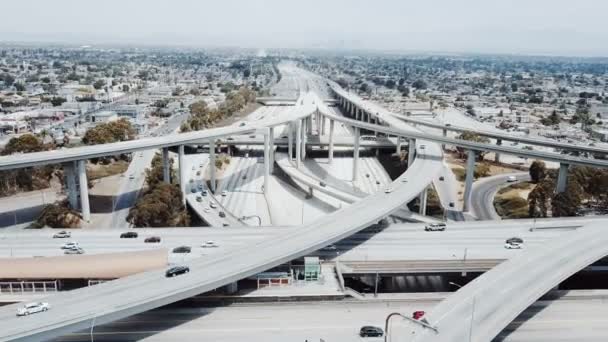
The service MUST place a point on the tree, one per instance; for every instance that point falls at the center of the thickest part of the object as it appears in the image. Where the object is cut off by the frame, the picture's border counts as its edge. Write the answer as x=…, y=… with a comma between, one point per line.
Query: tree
x=26, y=143
x=390, y=84
x=419, y=84
x=19, y=86
x=57, y=215
x=567, y=203
x=57, y=101
x=8, y=79
x=99, y=84
x=471, y=136
x=161, y=206
x=119, y=130
x=125, y=88
x=538, y=171
x=538, y=199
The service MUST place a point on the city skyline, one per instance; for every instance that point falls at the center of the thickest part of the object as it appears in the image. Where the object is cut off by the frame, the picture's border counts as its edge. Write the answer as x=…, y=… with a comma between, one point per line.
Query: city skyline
x=539, y=28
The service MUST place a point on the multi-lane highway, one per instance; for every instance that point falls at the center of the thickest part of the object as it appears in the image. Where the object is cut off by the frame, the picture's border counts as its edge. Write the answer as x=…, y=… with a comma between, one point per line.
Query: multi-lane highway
x=575, y=316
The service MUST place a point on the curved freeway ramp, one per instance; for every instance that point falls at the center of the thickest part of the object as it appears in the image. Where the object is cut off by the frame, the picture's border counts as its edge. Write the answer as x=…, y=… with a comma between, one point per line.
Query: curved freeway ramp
x=483, y=308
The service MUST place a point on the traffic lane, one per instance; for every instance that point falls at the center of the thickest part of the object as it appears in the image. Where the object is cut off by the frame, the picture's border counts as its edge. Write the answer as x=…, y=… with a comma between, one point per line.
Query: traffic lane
x=267, y=322
x=484, y=191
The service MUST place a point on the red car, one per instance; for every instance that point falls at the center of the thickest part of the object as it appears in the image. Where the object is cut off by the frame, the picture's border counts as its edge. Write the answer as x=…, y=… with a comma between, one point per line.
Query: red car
x=418, y=314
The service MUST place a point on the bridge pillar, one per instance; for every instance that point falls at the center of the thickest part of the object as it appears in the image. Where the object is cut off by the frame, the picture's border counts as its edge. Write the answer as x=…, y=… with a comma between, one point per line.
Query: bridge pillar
x=309, y=124
x=423, y=201
x=470, y=172
x=304, y=138
x=267, y=158
x=398, y=144
x=271, y=147
x=166, y=170
x=369, y=118
x=497, y=155
x=445, y=134
x=562, y=178
x=331, y=141
x=84, y=190
x=411, y=152
x=182, y=171
x=323, y=124
x=232, y=288
x=69, y=172
x=356, y=155
x=298, y=143
x=289, y=141
x=212, y=170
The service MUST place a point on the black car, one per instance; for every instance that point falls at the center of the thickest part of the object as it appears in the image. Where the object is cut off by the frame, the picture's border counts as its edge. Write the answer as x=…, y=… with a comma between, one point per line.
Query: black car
x=369, y=331
x=128, y=235
x=222, y=214
x=322, y=184
x=515, y=240
x=176, y=270
x=152, y=239
x=182, y=249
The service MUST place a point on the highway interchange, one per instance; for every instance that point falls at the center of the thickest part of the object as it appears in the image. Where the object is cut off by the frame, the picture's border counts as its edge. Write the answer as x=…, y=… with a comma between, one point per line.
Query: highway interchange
x=244, y=252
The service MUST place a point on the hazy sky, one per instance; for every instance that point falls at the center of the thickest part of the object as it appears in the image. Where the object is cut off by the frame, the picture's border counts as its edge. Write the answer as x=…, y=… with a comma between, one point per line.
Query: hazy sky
x=505, y=26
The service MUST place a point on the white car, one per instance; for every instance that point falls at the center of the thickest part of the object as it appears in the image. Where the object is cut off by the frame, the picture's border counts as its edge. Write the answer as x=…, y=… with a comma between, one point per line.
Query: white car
x=209, y=244
x=388, y=190
x=132, y=176
x=513, y=245
x=70, y=245
x=62, y=234
x=76, y=250
x=224, y=193
x=435, y=227
x=511, y=179
x=213, y=205
x=32, y=308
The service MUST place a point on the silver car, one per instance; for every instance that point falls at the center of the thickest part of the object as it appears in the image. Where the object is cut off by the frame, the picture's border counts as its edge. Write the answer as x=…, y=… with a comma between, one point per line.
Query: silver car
x=32, y=308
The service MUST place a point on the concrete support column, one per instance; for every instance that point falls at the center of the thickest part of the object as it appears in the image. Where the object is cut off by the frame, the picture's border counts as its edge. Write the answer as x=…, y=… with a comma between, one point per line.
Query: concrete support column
x=423, y=200
x=323, y=124
x=289, y=141
x=232, y=288
x=411, y=152
x=497, y=155
x=470, y=172
x=69, y=172
x=356, y=155
x=445, y=134
x=309, y=125
x=267, y=158
x=84, y=190
x=298, y=143
x=562, y=178
x=271, y=149
x=211, y=164
x=166, y=166
x=182, y=171
x=331, y=141
x=398, y=144
x=304, y=138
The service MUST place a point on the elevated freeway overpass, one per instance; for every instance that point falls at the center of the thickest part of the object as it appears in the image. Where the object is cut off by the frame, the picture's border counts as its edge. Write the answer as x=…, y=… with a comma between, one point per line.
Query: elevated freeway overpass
x=121, y=298
x=483, y=308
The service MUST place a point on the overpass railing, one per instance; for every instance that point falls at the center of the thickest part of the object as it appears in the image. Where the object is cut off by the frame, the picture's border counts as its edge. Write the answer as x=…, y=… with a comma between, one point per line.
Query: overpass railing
x=23, y=287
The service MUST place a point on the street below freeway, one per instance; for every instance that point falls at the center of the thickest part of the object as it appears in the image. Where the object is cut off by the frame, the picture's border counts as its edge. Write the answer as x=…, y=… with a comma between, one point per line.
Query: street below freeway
x=484, y=191
x=566, y=319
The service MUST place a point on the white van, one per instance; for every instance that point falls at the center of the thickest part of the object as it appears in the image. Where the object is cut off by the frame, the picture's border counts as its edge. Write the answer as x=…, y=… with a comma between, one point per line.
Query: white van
x=435, y=227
